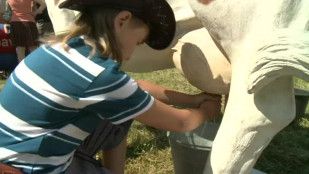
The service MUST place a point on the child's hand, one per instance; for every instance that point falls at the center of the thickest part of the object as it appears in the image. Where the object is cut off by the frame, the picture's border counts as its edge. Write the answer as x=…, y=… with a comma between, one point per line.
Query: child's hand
x=211, y=109
x=202, y=97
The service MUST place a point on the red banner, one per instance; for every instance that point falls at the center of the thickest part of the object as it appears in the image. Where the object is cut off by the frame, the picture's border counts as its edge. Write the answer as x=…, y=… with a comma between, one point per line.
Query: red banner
x=6, y=43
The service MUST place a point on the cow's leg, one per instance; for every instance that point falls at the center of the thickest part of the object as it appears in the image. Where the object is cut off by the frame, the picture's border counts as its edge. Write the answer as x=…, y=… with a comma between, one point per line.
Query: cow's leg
x=249, y=124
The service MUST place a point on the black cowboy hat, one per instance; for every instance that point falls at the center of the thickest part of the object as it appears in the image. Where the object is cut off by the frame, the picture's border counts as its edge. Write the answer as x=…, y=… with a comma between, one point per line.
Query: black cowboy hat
x=156, y=13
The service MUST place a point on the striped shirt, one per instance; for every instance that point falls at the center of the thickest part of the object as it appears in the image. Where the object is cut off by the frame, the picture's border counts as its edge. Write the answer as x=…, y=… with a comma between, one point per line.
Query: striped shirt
x=54, y=99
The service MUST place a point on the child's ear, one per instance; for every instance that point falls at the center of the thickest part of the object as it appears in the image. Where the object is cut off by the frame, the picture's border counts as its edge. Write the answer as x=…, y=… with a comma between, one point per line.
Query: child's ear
x=122, y=18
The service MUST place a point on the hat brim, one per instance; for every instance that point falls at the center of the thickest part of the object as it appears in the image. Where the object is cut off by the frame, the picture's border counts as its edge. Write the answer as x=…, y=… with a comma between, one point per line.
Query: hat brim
x=162, y=24
x=156, y=13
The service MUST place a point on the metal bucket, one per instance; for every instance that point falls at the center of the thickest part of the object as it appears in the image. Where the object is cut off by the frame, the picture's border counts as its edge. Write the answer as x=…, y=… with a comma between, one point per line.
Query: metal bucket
x=301, y=101
x=190, y=150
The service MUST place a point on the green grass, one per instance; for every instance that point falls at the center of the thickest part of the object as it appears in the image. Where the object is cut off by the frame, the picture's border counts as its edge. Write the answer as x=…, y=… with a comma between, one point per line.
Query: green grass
x=149, y=150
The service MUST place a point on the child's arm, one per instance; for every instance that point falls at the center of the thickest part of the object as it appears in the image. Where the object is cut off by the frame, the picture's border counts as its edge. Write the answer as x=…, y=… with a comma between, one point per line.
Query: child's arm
x=171, y=97
x=163, y=116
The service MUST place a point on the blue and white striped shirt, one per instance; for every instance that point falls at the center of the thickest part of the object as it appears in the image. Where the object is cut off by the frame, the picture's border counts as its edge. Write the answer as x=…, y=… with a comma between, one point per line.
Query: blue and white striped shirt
x=54, y=99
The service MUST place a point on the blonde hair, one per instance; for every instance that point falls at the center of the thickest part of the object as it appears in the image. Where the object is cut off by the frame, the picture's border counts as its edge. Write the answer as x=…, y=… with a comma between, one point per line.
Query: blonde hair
x=97, y=27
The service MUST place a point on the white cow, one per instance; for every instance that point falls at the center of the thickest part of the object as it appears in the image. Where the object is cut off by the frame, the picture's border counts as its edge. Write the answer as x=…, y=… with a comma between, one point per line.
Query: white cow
x=266, y=43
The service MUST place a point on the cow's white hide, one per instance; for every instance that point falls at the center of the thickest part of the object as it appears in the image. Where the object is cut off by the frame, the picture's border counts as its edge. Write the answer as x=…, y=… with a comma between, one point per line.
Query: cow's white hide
x=261, y=100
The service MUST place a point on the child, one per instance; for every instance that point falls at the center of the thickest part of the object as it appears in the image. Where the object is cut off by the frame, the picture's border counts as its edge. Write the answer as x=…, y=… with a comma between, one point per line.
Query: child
x=64, y=91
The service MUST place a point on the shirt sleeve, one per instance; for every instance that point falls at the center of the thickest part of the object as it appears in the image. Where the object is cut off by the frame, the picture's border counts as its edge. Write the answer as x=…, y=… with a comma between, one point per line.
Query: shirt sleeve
x=117, y=97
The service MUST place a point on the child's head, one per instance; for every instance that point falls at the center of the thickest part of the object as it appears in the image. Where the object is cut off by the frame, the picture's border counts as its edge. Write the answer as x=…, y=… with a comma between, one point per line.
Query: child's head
x=116, y=27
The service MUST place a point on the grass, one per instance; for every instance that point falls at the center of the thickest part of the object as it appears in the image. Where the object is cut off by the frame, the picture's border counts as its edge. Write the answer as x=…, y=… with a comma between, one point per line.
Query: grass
x=149, y=150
